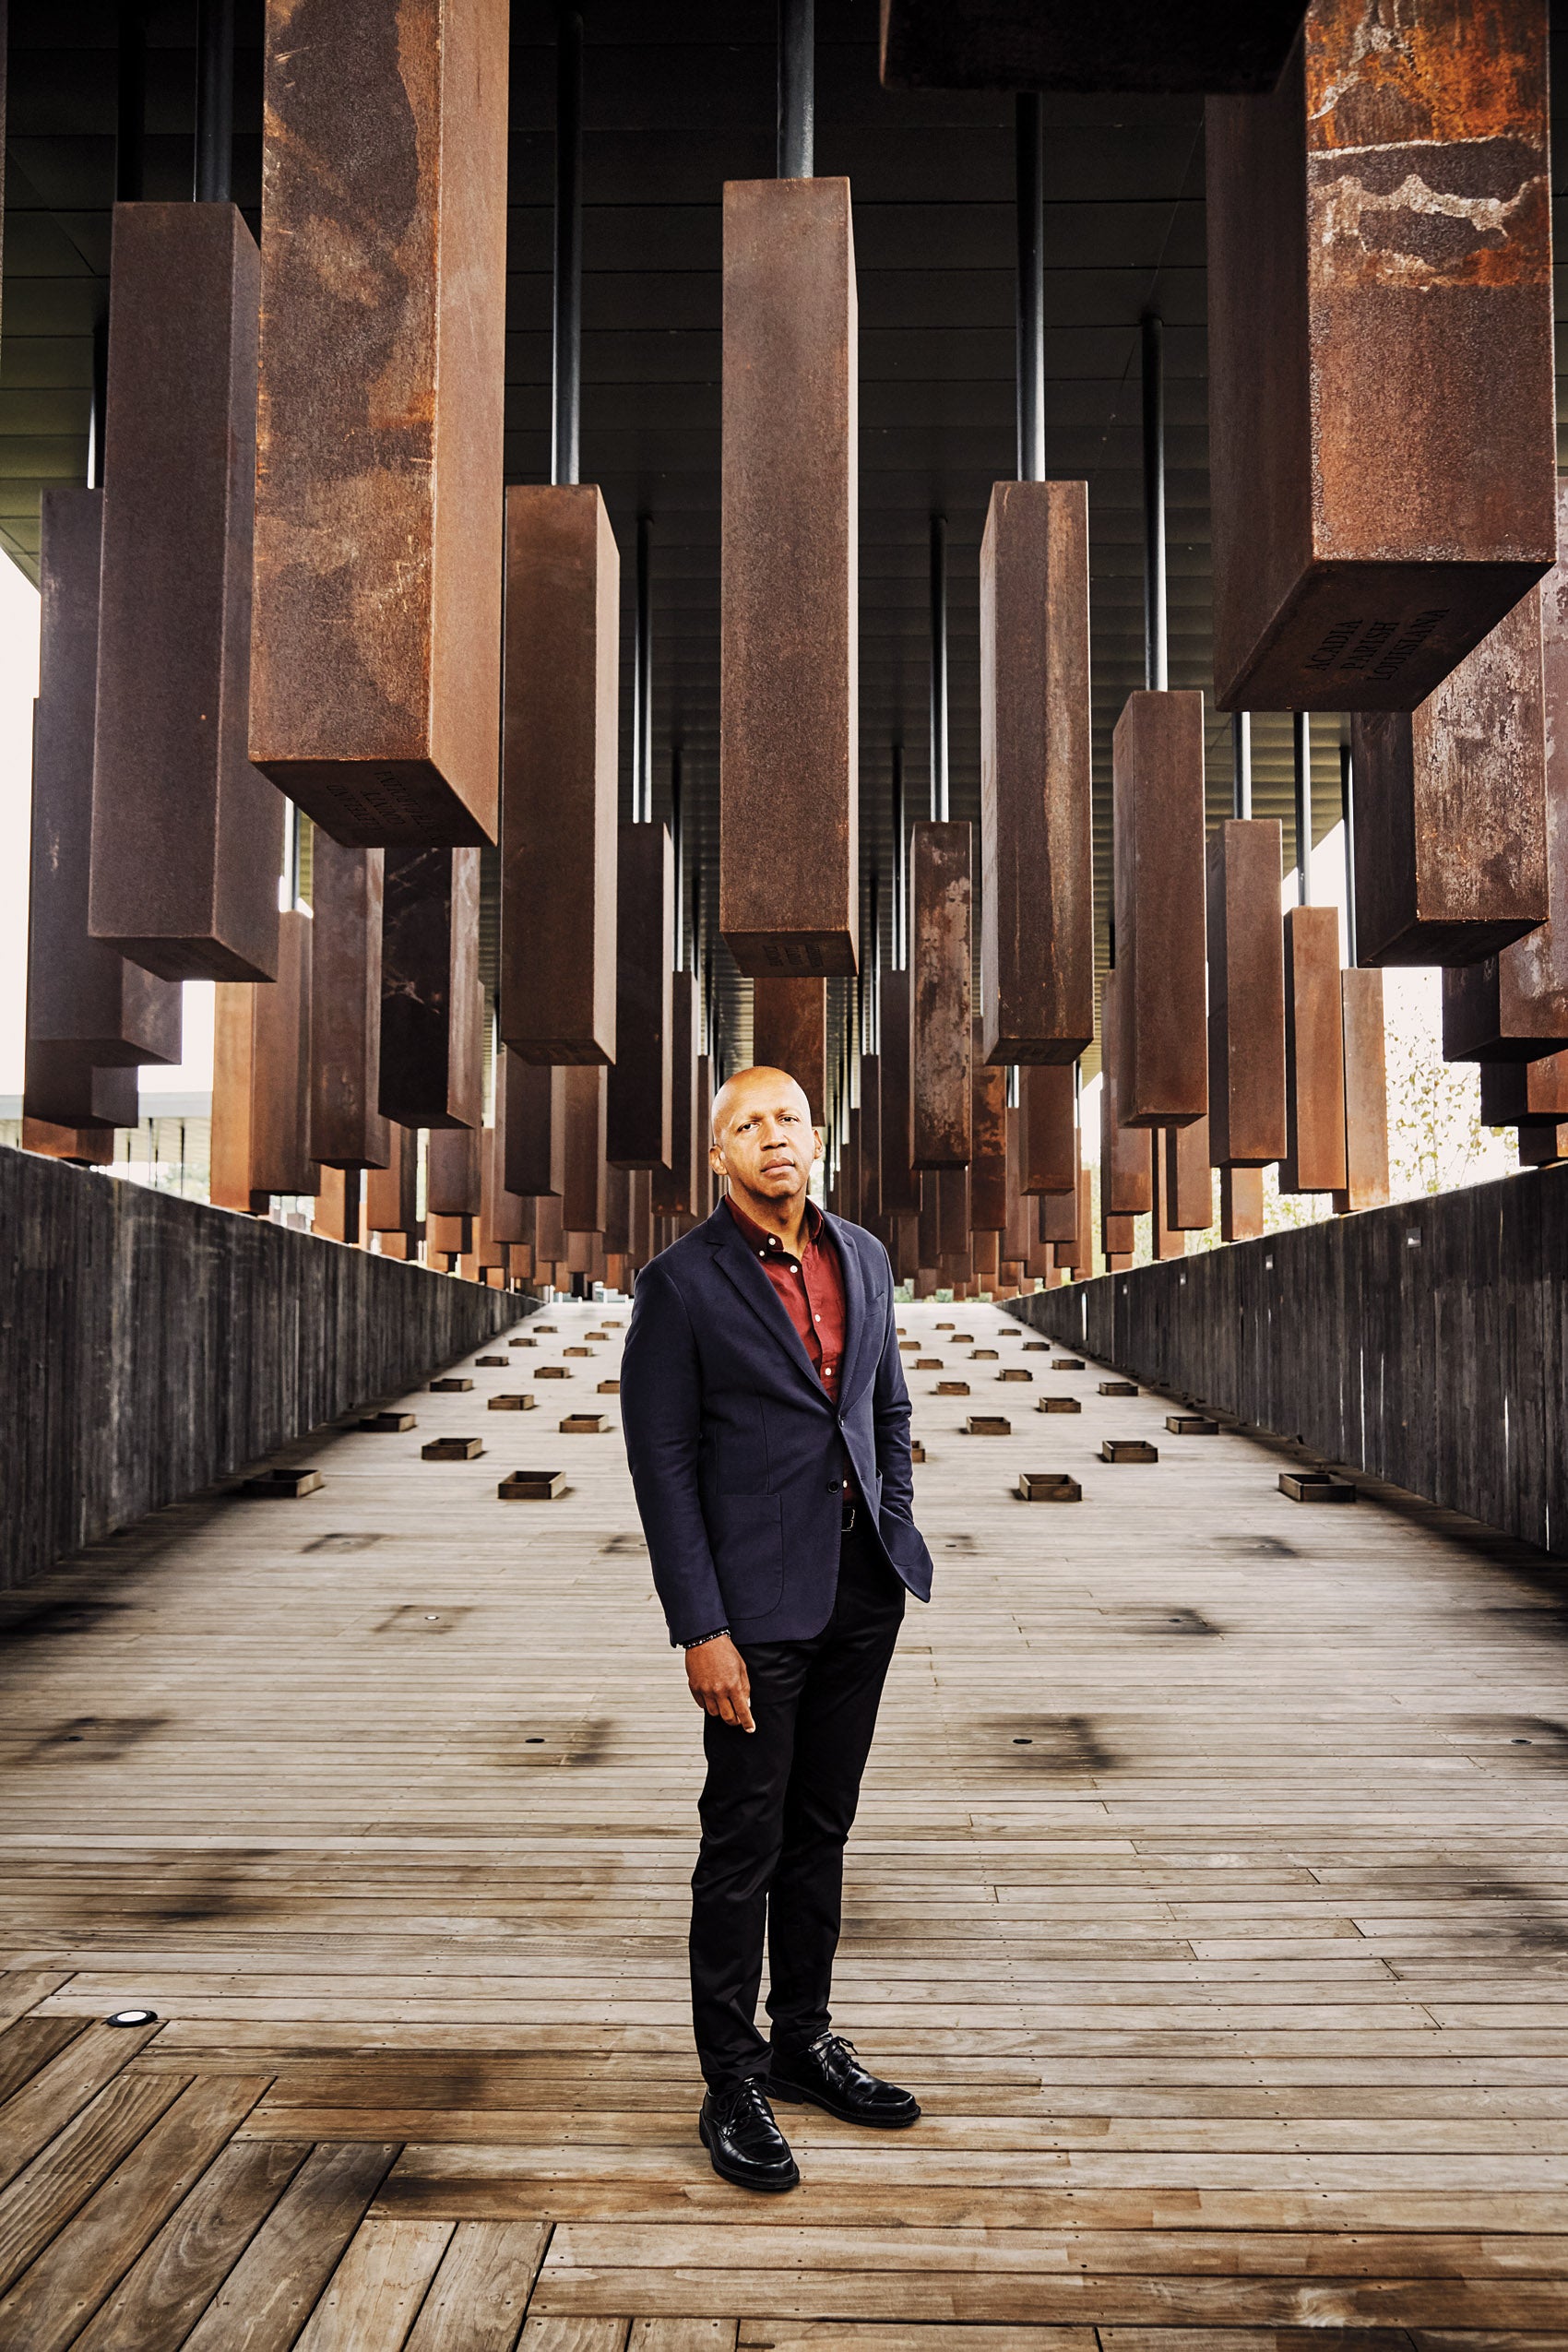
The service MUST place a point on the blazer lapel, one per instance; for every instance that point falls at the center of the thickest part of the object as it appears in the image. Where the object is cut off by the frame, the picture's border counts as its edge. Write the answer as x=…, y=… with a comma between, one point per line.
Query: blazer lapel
x=744, y=1270
x=855, y=1305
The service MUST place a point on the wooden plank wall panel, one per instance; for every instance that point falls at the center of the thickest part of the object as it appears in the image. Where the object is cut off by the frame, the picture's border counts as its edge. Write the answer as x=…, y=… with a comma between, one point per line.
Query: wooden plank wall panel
x=201, y=1342
x=1423, y=1343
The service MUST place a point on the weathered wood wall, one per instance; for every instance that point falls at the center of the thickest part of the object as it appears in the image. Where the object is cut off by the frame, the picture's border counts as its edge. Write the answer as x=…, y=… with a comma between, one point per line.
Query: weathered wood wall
x=149, y=1346
x=1427, y=1343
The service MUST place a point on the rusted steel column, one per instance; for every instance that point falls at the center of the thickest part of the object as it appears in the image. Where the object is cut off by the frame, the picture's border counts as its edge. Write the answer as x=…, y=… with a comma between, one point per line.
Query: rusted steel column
x=928, y=1230
x=789, y=743
x=432, y=1014
x=81, y=994
x=871, y=1138
x=188, y=839
x=900, y=1183
x=1514, y=1004
x=952, y=1214
x=1018, y=1233
x=534, y=1125
x=281, y=1158
x=1056, y=1217
x=789, y=1032
x=559, y=766
x=1241, y=1204
x=1450, y=809
x=1137, y=45
x=1078, y=1254
x=1246, y=995
x=1379, y=262
x=617, y=1211
x=62, y=1087
x=1313, y=1160
x=1117, y=1236
x=1188, y=1177
x=1037, y=846
x=454, y=1172
x=675, y=1188
x=83, y=1147
x=1366, y=1093
x=347, y=889
x=1048, y=1124
x=1166, y=1238
x=1126, y=1161
x=505, y=1218
x=941, y=1110
x=988, y=1160
x=985, y=1258
x=549, y=1235
x=639, y=1083
x=1157, y=794
x=233, y=1063
x=705, y=1135
x=375, y=682
x=640, y=1215
x=1520, y=1094
x=583, y=1200
x=1543, y=1144
x=448, y=1239
x=391, y=1193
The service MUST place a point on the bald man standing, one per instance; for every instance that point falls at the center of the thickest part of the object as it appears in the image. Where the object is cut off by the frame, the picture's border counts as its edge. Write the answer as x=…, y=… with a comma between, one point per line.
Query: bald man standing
x=767, y=1428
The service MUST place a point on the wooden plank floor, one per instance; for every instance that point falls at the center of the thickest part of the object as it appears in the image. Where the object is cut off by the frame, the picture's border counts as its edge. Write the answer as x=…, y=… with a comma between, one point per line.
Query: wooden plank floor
x=1211, y=1888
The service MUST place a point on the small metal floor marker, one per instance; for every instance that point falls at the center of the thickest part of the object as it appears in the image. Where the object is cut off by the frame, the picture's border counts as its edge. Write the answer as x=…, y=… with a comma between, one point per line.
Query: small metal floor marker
x=286, y=1485
x=1128, y=1449
x=450, y=1387
x=988, y=1425
x=1118, y=1388
x=584, y=1425
x=1049, y=1486
x=1059, y=1404
x=532, y=1486
x=388, y=1424
x=1191, y=1425
x=452, y=1449
x=517, y=1400
x=1315, y=1486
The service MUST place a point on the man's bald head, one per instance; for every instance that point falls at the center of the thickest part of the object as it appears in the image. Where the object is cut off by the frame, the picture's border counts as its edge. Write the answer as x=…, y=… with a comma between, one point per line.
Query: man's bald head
x=760, y=1087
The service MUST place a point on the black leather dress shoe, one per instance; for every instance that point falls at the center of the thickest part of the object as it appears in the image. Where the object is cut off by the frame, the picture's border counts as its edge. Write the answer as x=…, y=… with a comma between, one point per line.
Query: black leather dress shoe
x=747, y=2147
x=828, y=2074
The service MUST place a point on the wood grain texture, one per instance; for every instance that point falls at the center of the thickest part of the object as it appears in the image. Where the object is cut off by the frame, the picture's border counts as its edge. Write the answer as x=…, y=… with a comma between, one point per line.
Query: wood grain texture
x=274, y=2285
x=477, y=2300
x=166, y=2290
x=204, y=1341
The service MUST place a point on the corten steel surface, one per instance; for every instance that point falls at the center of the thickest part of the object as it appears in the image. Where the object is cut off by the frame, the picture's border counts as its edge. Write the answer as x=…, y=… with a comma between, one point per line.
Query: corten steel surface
x=1019, y=1231
x=583, y=1195
x=1379, y=266
x=431, y=1019
x=1543, y=1143
x=1366, y=1093
x=1158, y=822
x=1117, y=1236
x=85, y=1147
x=1126, y=1161
x=80, y=992
x=1246, y=994
x=346, y=891
x=1037, y=832
x=1241, y=1204
x=617, y=1211
x=1450, y=809
x=1078, y=1254
x=849, y=1169
x=61, y=1087
x=1056, y=1214
x=375, y=682
x=988, y=1160
x=927, y=1223
x=188, y=839
x=1515, y=1004
x=535, y=1124
x=640, y=1214
x=391, y=1194
x=706, y=1195
x=950, y=1215
x=281, y=1159
x=1048, y=1143
x=1516, y=1094
x=1114, y=45
x=1166, y=1239
x=234, y=1065
x=558, y=774
x=638, y=1129
x=941, y=1111
x=900, y=1184
x=1189, y=1176
x=549, y=1234
x=447, y=1238
x=503, y=1218
x=871, y=1139
x=454, y=1172
x=788, y=748
x=1313, y=1160
x=675, y=1187
x=789, y=1032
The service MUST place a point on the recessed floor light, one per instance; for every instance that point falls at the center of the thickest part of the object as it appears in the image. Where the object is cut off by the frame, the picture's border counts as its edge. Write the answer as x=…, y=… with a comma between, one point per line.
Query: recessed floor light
x=132, y=2018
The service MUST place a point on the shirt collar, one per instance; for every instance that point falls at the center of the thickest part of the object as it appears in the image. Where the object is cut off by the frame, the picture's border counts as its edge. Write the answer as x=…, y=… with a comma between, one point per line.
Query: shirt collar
x=767, y=1245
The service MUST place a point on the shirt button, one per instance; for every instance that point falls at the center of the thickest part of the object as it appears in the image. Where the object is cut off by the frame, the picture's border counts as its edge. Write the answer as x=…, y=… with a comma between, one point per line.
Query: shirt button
x=832, y=1486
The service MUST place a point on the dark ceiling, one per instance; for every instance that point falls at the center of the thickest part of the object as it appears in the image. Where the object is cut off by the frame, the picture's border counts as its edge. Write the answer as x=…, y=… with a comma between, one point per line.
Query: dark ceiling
x=679, y=96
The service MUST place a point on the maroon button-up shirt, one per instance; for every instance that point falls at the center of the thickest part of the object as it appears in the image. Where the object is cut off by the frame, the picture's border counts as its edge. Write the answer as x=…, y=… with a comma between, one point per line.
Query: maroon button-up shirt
x=812, y=1287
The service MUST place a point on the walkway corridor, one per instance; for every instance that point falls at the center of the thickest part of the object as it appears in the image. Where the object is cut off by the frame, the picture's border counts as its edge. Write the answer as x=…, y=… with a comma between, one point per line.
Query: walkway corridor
x=1211, y=1889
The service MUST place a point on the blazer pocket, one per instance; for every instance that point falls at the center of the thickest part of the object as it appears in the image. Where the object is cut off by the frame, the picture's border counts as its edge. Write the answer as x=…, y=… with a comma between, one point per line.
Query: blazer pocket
x=746, y=1532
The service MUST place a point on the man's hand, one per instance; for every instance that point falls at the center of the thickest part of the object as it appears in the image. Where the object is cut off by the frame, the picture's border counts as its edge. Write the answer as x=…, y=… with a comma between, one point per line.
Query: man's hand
x=715, y=1674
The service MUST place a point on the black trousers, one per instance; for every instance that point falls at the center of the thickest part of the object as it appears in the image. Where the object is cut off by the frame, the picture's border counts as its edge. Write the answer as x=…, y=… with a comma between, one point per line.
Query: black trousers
x=777, y=1809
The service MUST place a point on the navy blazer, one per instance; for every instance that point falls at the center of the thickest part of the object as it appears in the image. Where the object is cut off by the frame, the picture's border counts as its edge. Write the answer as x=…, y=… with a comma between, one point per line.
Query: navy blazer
x=737, y=1450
